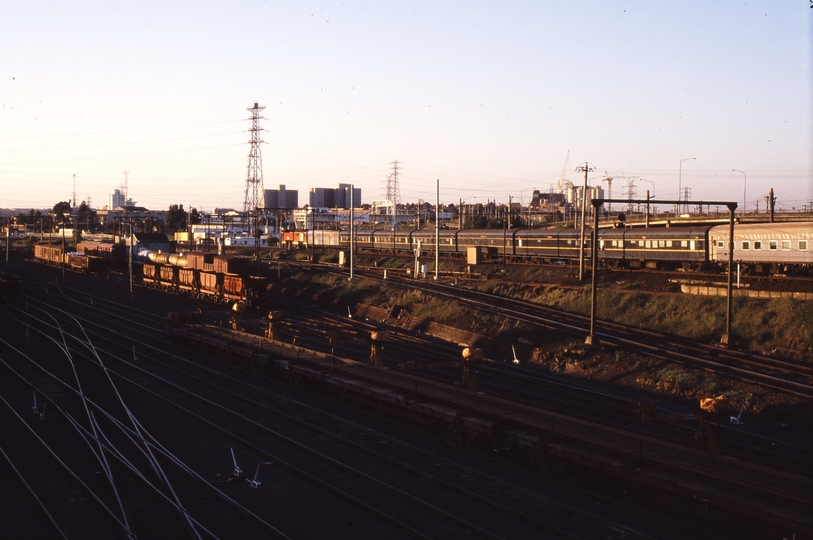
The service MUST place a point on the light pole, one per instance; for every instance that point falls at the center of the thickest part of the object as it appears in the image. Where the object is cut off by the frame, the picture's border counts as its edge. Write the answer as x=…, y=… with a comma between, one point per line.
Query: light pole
x=680, y=178
x=744, y=185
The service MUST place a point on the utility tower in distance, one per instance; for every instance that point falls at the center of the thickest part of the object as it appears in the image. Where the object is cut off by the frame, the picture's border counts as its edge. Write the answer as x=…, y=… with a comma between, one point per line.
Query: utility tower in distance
x=393, y=191
x=254, y=198
x=686, y=195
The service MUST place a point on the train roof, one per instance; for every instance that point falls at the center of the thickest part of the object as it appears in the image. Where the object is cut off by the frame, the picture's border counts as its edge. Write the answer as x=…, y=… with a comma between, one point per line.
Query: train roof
x=783, y=227
x=656, y=232
x=652, y=232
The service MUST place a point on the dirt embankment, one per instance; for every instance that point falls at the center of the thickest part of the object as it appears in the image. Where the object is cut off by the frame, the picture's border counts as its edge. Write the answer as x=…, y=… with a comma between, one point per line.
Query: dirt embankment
x=645, y=300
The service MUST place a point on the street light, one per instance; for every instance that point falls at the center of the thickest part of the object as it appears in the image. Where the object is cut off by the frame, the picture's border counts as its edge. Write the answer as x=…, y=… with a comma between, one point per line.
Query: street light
x=744, y=185
x=680, y=175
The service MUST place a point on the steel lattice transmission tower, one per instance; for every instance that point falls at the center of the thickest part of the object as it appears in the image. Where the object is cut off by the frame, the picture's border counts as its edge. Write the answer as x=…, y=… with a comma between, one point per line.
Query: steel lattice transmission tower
x=393, y=190
x=254, y=177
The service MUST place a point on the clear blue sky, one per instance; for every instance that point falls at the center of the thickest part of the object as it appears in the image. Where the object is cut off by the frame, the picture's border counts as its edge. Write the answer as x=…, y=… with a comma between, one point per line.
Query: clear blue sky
x=488, y=97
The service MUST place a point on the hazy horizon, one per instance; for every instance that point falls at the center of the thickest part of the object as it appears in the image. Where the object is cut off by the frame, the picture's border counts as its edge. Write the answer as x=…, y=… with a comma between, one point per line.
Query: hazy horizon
x=487, y=97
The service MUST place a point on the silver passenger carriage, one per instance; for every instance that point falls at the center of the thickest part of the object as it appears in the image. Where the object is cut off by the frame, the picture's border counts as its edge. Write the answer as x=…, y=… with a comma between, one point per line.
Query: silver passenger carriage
x=766, y=247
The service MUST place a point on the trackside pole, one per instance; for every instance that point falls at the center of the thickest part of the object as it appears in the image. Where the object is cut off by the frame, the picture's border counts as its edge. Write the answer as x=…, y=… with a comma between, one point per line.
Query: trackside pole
x=725, y=340
x=594, y=278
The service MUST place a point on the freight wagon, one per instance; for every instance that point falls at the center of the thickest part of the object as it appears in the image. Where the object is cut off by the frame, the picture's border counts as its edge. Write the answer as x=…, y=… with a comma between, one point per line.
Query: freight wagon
x=114, y=253
x=191, y=274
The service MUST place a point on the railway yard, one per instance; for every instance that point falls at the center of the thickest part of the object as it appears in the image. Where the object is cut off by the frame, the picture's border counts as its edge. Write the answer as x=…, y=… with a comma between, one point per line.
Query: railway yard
x=300, y=420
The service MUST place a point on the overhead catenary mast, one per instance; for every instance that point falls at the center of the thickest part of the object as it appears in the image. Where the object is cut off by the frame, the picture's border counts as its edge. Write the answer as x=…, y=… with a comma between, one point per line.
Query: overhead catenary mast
x=254, y=199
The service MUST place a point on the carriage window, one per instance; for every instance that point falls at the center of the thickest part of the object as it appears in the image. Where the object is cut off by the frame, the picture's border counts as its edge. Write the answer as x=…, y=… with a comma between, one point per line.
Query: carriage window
x=668, y=243
x=746, y=245
x=720, y=244
x=772, y=244
x=802, y=245
x=648, y=244
x=785, y=244
x=757, y=245
x=684, y=243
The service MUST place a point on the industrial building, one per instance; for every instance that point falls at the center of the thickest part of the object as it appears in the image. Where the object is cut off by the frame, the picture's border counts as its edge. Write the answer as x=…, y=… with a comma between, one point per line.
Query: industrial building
x=281, y=198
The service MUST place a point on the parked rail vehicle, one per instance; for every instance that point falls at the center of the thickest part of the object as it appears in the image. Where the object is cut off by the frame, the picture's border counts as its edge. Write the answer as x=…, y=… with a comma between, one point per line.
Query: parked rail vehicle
x=114, y=253
x=764, y=248
x=52, y=254
x=205, y=276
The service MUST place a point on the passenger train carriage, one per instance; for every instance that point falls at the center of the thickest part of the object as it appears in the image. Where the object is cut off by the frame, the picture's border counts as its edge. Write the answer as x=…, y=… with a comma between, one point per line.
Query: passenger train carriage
x=761, y=247
x=766, y=247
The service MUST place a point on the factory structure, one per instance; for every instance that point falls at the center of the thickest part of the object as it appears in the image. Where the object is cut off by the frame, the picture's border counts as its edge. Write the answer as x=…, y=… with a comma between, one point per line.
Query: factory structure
x=326, y=209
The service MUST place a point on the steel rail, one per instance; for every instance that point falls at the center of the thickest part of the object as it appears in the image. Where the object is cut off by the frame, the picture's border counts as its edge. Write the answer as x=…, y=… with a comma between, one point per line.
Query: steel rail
x=776, y=383
x=151, y=374
x=155, y=445
x=262, y=451
x=33, y=493
x=64, y=465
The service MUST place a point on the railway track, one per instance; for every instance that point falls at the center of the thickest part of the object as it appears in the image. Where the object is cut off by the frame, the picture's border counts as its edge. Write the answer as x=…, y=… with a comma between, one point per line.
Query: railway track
x=302, y=326
x=313, y=329
x=408, y=256
x=776, y=374
x=318, y=330
x=236, y=409
x=657, y=460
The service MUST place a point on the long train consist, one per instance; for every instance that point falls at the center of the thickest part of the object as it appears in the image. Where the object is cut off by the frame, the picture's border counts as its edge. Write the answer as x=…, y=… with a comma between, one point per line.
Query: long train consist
x=216, y=278
x=205, y=276
x=758, y=247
